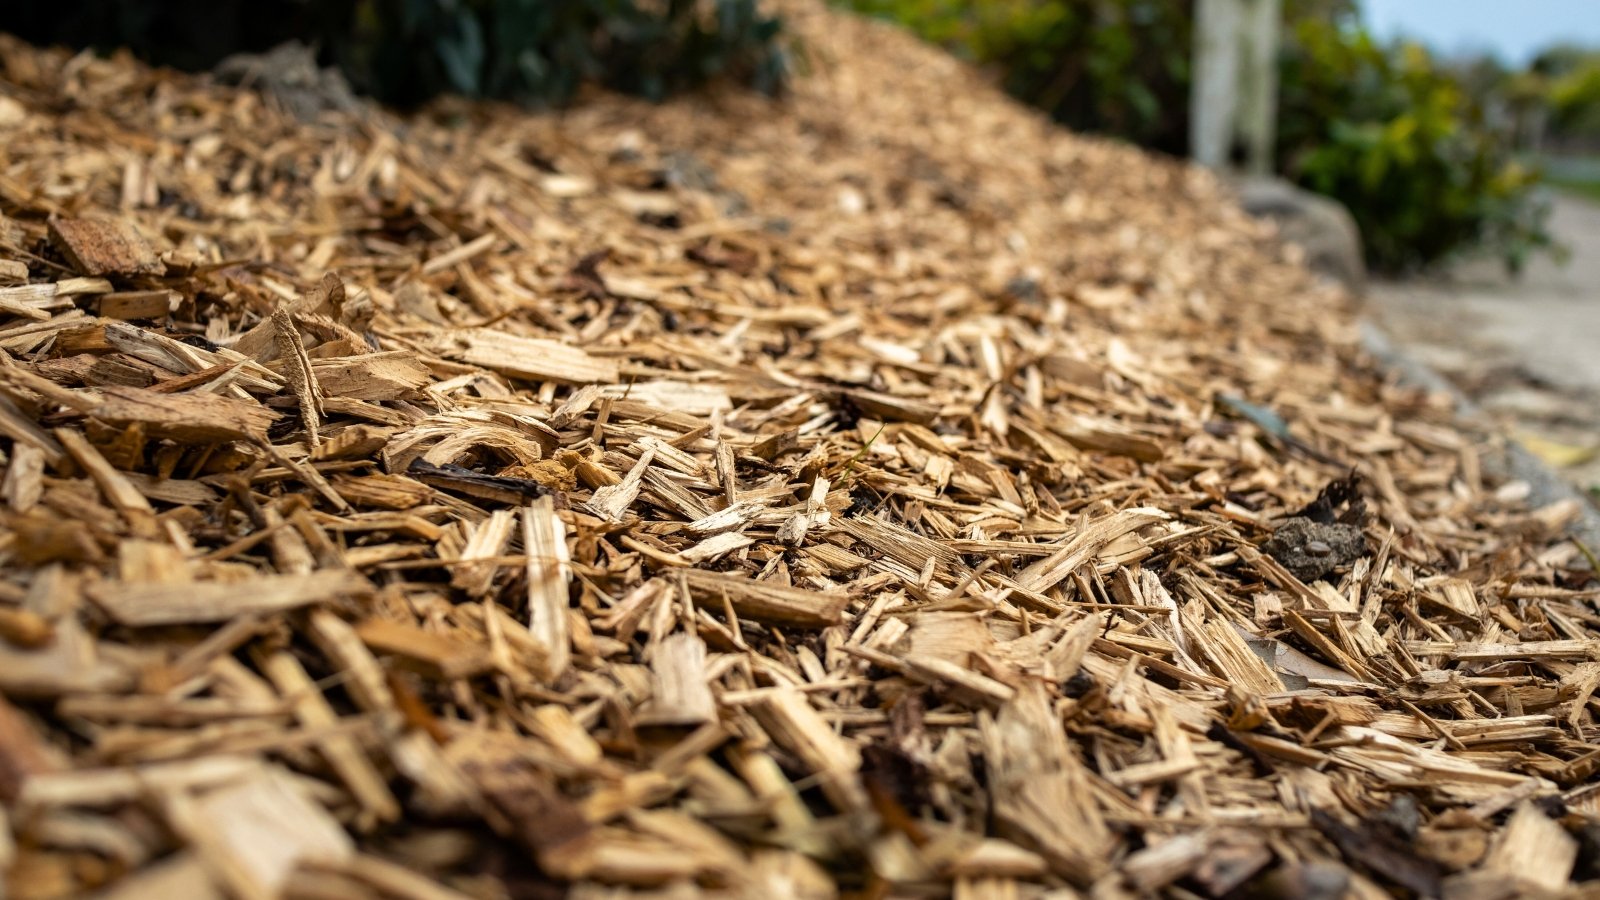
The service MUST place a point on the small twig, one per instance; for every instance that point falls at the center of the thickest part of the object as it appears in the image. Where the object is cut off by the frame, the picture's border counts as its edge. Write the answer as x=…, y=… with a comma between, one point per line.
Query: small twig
x=1594, y=563
x=850, y=466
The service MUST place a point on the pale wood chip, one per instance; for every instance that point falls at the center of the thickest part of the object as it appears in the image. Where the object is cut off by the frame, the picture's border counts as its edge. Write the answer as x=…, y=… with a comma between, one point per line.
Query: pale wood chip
x=168, y=604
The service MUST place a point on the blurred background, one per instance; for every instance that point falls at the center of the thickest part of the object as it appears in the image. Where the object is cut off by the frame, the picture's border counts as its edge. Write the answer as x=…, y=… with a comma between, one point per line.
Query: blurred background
x=1441, y=157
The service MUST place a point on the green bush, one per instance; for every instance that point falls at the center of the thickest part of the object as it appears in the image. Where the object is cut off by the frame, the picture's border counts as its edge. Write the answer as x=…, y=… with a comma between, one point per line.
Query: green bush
x=1399, y=141
x=405, y=51
x=1570, y=79
x=540, y=51
x=1114, y=66
x=1382, y=129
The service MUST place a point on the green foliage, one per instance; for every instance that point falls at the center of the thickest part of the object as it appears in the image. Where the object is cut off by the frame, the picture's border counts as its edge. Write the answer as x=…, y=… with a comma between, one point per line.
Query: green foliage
x=1382, y=129
x=1397, y=140
x=1114, y=66
x=405, y=51
x=1571, y=82
x=539, y=51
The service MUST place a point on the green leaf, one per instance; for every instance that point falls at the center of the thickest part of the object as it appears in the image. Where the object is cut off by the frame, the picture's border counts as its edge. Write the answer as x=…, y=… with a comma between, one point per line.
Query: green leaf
x=462, y=52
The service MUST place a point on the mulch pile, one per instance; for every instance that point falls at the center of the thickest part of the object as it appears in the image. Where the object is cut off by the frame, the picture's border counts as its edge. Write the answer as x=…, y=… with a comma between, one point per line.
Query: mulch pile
x=873, y=492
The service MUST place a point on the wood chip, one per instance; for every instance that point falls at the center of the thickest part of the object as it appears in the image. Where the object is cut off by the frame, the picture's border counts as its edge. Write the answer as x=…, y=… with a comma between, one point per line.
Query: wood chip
x=302, y=378
x=184, y=603
x=765, y=602
x=104, y=246
x=192, y=418
x=534, y=359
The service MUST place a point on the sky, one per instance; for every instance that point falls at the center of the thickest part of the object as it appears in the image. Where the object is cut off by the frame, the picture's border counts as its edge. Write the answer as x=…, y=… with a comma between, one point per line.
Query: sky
x=1514, y=30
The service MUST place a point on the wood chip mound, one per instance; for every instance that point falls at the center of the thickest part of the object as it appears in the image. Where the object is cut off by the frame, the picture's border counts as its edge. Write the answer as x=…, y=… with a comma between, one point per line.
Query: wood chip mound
x=744, y=498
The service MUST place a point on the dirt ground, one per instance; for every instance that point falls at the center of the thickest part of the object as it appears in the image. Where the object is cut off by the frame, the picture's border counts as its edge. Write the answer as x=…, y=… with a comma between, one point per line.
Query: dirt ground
x=1526, y=350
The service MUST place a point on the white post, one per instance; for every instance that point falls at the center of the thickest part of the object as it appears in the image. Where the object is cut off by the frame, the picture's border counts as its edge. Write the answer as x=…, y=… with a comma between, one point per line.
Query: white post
x=1214, y=90
x=1258, y=121
x=1234, y=92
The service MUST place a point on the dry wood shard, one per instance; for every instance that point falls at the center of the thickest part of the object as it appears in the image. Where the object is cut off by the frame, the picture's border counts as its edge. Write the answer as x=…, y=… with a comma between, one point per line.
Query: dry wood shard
x=195, y=418
x=187, y=603
x=534, y=359
x=777, y=604
x=104, y=247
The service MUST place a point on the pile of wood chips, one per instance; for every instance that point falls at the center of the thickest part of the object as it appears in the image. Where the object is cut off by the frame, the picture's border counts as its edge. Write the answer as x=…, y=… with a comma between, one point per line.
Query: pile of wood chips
x=862, y=493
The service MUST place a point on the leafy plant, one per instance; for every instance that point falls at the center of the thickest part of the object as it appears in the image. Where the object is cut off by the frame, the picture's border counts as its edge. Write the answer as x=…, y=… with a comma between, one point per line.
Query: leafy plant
x=1570, y=79
x=1397, y=139
x=1115, y=66
x=405, y=51
x=540, y=51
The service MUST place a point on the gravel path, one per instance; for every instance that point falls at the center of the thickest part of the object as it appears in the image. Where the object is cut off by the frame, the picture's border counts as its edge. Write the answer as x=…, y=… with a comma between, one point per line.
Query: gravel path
x=1526, y=350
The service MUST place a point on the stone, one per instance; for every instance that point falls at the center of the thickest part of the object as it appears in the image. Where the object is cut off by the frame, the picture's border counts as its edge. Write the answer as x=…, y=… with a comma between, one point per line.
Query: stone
x=1311, y=550
x=1319, y=225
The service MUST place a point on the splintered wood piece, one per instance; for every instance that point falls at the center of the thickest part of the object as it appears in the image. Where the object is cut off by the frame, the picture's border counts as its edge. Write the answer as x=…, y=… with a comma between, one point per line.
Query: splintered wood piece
x=980, y=688
x=1233, y=659
x=356, y=442
x=23, y=483
x=1453, y=595
x=611, y=501
x=27, y=300
x=557, y=726
x=681, y=694
x=460, y=254
x=175, y=604
x=1161, y=864
x=302, y=378
x=1107, y=436
x=327, y=296
x=763, y=602
x=373, y=376
x=892, y=408
x=1053, y=569
x=256, y=832
x=344, y=645
x=793, y=531
x=676, y=396
x=548, y=573
x=23, y=430
x=98, y=246
x=475, y=571
x=132, y=305
x=380, y=491
x=192, y=417
x=1041, y=791
x=528, y=803
x=533, y=359
x=118, y=491
x=1579, y=649
x=341, y=749
x=436, y=654
x=793, y=724
x=70, y=662
x=1533, y=850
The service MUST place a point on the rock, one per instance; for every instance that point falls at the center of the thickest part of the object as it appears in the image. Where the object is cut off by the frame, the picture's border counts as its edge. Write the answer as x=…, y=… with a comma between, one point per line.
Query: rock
x=1320, y=225
x=1311, y=550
